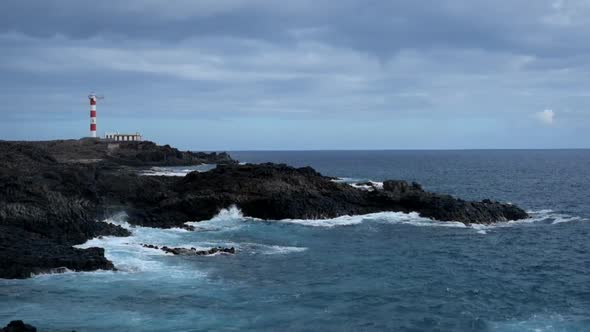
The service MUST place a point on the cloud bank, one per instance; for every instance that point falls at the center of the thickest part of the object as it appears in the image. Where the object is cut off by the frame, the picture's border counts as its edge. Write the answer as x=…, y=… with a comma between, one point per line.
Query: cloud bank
x=237, y=74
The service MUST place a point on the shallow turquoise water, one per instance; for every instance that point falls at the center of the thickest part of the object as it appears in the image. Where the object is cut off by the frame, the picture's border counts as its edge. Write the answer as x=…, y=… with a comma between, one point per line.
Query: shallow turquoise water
x=387, y=271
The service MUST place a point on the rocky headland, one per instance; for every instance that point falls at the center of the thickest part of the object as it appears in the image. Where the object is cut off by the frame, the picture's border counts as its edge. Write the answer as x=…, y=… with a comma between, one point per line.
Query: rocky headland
x=54, y=194
x=123, y=153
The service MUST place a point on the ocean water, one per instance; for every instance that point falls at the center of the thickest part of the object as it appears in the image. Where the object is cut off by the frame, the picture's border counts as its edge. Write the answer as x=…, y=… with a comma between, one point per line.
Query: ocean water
x=379, y=272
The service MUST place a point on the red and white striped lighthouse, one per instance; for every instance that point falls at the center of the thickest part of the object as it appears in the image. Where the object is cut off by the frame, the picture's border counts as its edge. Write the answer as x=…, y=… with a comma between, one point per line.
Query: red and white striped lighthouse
x=93, y=99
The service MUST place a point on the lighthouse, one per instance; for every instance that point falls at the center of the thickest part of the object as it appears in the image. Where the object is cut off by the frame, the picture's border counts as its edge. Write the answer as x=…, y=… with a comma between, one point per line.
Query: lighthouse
x=93, y=98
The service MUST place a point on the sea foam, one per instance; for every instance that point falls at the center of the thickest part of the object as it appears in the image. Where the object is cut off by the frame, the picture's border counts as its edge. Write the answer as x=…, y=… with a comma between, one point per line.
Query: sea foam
x=128, y=254
x=360, y=183
x=411, y=218
x=176, y=171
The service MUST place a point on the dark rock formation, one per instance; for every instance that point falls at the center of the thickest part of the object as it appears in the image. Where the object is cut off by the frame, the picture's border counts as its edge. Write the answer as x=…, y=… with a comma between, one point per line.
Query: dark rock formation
x=18, y=326
x=142, y=154
x=45, y=208
x=50, y=200
x=273, y=192
x=24, y=253
x=191, y=251
x=52, y=193
x=149, y=154
x=402, y=196
x=195, y=252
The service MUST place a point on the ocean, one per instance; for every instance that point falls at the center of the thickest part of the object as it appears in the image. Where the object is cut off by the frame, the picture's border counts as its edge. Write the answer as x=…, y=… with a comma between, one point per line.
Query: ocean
x=379, y=272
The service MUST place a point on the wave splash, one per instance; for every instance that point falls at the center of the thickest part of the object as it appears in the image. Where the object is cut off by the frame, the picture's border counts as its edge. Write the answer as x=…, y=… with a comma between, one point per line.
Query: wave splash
x=412, y=218
x=230, y=219
x=233, y=218
x=363, y=184
x=177, y=171
x=130, y=256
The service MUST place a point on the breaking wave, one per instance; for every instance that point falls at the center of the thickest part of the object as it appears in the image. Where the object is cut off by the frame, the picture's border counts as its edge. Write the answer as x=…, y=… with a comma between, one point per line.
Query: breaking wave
x=176, y=171
x=128, y=254
x=363, y=184
x=412, y=218
x=543, y=217
x=233, y=217
x=229, y=219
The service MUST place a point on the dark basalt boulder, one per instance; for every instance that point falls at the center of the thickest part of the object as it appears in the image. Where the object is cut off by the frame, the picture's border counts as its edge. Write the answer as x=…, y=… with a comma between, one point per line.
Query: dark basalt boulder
x=192, y=251
x=24, y=253
x=18, y=326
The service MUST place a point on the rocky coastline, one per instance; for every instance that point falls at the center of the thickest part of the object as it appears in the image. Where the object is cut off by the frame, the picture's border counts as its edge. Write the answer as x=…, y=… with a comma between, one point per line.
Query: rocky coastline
x=54, y=194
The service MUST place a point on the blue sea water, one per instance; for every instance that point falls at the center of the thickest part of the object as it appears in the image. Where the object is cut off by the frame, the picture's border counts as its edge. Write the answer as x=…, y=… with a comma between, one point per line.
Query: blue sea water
x=386, y=271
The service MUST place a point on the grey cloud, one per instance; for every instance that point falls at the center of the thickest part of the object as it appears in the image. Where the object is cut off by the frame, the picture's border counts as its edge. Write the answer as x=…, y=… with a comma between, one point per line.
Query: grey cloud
x=427, y=63
x=543, y=28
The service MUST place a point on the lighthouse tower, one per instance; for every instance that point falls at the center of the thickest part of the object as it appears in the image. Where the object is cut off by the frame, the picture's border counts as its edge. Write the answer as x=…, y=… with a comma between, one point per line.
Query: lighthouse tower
x=93, y=98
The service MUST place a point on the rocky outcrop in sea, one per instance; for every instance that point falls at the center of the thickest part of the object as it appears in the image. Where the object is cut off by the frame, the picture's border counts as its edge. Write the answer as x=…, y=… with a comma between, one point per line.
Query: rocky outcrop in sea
x=275, y=191
x=191, y=251
x=54, y=194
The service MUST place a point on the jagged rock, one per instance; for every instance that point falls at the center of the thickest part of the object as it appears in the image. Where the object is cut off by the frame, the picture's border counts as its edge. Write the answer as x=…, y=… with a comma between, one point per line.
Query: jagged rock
x=50, y=199
x=18, y=326
x=52, y=193
x=195, y=252
x=273, y=192
x=143, y=153
x=24, y=253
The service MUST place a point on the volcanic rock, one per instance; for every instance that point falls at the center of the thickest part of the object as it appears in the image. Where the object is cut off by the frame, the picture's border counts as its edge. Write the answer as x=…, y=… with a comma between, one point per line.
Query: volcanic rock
x=141, y=154
x=195, y=252
x=50, y=199
x=274, y=192
x=24, y=254
x=18, y=326
x=53, y=193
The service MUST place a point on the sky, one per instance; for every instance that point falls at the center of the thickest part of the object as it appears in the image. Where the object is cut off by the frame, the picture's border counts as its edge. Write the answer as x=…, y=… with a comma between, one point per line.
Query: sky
x=300, y=75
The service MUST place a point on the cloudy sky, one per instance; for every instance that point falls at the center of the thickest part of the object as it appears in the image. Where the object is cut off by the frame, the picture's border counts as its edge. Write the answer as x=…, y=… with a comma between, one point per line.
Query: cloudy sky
x=302, y=74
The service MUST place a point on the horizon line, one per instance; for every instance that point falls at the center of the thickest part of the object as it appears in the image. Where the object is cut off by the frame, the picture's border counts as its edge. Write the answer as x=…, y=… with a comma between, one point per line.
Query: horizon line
x=417, y=149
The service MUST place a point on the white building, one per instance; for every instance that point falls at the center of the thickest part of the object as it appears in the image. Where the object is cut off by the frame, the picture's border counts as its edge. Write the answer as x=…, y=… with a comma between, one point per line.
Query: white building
x=124, y=137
